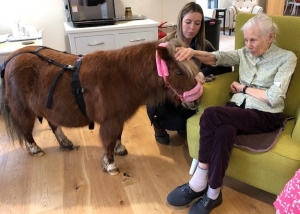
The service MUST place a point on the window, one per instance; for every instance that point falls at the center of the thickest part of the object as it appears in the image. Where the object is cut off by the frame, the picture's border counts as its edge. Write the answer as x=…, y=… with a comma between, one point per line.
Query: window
x=212, y=4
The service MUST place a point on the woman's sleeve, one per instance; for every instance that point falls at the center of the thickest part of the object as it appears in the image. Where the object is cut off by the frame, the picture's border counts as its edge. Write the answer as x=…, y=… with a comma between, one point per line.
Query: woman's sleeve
x=282, y=79
x=215, y=70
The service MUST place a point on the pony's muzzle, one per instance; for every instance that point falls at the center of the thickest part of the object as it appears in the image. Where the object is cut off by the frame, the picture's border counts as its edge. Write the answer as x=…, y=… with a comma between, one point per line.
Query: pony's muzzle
x=190, y=99
x=190, y=105
x=193, y=94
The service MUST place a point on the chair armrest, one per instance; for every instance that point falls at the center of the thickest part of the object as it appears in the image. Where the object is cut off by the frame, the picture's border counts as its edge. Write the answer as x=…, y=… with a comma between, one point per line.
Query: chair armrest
x=296, y=130
x=257, y=9
x=232, y=10
x=232, y=13
x=216, y=93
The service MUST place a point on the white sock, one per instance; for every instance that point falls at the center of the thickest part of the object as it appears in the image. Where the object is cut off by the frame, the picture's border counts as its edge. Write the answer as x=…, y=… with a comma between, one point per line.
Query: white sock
x=213, y=193
x=199, y=180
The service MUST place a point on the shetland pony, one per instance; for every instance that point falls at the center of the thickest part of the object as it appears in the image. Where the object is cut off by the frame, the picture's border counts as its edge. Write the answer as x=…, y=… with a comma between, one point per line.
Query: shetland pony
x=110, y=87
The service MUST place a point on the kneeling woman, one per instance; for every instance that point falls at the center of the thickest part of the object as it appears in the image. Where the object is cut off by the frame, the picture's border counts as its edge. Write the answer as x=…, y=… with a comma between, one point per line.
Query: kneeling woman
x=191, y=30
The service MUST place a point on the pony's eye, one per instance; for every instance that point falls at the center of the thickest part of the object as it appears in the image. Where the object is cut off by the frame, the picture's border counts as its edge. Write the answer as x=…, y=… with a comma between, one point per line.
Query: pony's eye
x=178, y=73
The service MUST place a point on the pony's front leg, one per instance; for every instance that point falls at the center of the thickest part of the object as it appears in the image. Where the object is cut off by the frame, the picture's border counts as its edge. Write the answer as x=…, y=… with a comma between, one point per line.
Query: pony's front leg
x=62, y=139
x=110, y=133
x=109, y=165
x=120, y=149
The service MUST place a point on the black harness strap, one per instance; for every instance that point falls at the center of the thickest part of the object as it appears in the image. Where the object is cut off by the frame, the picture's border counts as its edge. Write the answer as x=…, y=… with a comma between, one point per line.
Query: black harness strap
x=50, y=95
x=76, y=87
x=36, y=52
x=78, y=90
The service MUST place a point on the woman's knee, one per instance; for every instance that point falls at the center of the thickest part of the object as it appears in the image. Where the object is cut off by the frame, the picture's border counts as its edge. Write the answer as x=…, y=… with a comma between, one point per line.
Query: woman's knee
x=211, y=116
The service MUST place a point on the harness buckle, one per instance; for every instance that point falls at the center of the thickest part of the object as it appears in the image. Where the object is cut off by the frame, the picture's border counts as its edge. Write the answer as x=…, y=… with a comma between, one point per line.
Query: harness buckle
x=69, y=67
x=79, y=90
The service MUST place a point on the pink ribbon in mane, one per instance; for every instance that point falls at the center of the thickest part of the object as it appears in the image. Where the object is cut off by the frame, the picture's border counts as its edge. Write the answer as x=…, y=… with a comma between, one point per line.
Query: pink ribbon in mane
x=162, y=70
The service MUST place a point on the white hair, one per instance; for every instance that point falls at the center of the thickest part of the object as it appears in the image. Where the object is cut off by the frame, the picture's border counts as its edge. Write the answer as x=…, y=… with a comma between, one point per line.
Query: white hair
x=264, y=22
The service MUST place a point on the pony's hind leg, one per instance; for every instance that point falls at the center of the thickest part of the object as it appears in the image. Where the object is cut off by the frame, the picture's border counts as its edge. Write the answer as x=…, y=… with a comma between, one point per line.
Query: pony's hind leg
x=62, y=139
x=27, y=128
x=32, y=147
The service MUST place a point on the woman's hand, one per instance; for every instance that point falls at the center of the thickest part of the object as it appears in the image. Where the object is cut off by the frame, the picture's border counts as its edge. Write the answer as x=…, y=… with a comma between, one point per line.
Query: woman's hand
x=183, y=53
x=236, y=87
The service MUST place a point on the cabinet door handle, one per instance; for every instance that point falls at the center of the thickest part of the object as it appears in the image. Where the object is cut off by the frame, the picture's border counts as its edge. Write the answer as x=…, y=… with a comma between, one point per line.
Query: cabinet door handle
x=95, y=44
x=137, y=40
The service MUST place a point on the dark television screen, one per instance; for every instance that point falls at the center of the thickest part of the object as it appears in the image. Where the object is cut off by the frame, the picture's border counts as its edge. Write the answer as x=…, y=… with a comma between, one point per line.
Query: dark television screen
x=92, y=12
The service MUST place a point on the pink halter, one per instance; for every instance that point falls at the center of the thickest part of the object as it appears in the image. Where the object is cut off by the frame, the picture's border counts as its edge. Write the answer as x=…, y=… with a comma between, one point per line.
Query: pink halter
x=162, y=70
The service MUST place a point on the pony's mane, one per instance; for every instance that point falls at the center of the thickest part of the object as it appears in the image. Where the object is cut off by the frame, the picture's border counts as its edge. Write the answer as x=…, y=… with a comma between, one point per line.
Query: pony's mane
x=189, y=67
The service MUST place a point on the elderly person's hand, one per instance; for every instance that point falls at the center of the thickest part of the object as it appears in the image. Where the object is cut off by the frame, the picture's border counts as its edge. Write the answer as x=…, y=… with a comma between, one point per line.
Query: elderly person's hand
x=236, y=87
x=210, y=78
x=200, y=77
x=183, y=53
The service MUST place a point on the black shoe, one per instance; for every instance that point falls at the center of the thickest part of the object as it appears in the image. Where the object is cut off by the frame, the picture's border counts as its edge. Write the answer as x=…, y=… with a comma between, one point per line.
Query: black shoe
x=161, y=136
x=205, y=205
x=183, y=195
x=182, y=133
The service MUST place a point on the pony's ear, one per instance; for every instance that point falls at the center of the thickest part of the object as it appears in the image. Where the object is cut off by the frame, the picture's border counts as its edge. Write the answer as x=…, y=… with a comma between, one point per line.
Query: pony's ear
x=163, y=53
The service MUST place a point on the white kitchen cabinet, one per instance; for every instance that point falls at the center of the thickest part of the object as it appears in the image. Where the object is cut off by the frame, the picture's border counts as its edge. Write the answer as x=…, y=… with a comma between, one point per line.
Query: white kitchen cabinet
x=107, y=37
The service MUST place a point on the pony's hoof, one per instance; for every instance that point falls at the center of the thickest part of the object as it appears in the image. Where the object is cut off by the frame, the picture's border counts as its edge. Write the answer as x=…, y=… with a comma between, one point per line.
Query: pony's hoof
x=111, y=169
x=69, y=147
x=121, y=150
x=34, y=150
x=114, y=172
x=39, y=154
x=66, y=145
x=122, y=153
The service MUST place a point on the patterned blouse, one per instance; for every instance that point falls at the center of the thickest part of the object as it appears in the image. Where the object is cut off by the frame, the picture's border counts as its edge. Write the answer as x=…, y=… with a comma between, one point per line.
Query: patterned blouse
x=271, y=72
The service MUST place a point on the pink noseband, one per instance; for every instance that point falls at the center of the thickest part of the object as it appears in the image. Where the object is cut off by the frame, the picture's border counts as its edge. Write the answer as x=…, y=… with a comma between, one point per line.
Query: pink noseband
x=162, y=70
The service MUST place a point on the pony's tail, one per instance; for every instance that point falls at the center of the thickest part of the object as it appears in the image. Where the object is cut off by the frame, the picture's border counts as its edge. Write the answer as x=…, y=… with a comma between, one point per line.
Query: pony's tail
x=10, y=123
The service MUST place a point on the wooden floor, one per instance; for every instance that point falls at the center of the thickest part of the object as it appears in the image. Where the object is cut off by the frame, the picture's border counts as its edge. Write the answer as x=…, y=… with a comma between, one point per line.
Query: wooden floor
x=73, y=181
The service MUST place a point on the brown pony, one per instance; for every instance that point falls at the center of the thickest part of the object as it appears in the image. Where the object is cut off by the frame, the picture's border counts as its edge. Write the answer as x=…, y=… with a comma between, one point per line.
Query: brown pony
x=113, y=84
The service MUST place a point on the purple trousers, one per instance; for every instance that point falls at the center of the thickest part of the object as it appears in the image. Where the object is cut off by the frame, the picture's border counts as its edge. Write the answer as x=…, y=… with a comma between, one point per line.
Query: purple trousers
x=219, y=127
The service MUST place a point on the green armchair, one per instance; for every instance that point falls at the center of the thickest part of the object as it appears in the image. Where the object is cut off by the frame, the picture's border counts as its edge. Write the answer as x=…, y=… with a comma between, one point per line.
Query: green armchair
x=270, y=170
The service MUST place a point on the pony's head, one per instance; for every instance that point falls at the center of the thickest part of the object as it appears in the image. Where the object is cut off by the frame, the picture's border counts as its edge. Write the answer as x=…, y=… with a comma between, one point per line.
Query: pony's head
x=178, y=76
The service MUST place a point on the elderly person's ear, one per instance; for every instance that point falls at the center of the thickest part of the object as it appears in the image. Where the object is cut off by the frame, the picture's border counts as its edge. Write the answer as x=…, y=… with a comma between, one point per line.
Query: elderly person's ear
x=271, y=36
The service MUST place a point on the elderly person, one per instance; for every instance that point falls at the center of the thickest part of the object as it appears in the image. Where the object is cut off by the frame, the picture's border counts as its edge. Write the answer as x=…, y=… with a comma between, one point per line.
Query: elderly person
x=256, y=107
x=191, y=30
